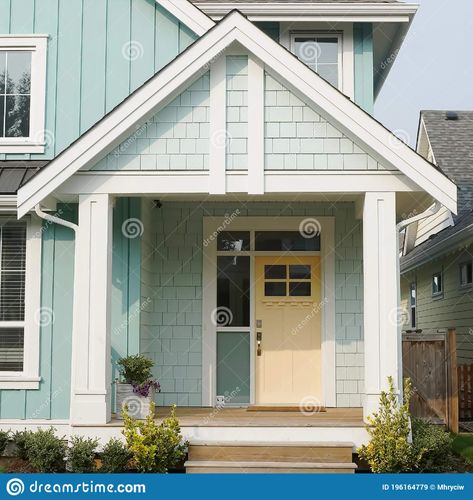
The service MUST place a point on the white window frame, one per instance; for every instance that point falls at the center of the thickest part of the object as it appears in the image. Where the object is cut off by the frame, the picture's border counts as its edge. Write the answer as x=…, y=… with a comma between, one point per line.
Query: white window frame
x=37, y=45
x=212, y=226
x=29, y=378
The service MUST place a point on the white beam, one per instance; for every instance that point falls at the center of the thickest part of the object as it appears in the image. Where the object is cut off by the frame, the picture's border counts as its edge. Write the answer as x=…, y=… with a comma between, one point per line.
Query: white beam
x=381, y=297
x=91, y=359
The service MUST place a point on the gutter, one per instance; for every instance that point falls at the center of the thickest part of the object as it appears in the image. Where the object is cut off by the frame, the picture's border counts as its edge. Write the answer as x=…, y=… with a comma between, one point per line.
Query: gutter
x=54, y=219
x=429, y=212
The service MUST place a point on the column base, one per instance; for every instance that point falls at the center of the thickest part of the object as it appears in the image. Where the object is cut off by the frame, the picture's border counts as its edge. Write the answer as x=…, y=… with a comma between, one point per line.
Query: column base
x=91, y=409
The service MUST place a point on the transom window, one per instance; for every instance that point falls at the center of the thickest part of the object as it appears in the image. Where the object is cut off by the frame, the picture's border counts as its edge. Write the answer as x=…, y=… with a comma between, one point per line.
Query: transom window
x=15, y=93
x=12, y=295
x=321, y=52
x=437, y=284
x=466, y=273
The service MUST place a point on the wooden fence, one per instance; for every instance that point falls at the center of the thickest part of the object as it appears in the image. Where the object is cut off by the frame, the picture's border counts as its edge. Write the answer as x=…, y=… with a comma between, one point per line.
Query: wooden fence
x=465, y=390
x=429, y=360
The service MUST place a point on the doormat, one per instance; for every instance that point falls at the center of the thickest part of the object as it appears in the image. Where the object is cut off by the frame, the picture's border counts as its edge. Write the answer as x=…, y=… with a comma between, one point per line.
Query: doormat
x=288, y=408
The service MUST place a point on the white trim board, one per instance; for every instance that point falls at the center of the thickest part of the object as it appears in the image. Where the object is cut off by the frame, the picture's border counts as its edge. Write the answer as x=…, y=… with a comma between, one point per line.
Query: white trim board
x=211, y=226
x=295, y=75
x=193, y=17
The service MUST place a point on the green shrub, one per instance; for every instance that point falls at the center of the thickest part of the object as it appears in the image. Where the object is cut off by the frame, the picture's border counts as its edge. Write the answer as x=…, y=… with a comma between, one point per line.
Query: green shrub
x=81, y=454
x=389, y=449
x=135, y=369
x=45, y=451
x=4, y=438
x=434, y=445
x=20, y=439
x=115, y=457
x=154, y=448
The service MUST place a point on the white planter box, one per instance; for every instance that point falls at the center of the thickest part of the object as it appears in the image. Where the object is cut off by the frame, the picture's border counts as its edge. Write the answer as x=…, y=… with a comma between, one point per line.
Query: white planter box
x=138, y=406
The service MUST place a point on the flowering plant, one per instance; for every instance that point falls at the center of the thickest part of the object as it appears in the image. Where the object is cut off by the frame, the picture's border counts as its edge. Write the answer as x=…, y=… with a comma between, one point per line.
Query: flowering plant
x=136, y=371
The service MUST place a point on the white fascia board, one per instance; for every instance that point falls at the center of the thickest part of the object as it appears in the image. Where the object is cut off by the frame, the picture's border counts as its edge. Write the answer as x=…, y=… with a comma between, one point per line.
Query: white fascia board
x=296, y=10
x=189, y=15
x=299, y=78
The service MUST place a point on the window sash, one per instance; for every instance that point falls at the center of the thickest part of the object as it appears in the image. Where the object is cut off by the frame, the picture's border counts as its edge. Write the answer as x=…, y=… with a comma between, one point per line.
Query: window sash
x=437, y=284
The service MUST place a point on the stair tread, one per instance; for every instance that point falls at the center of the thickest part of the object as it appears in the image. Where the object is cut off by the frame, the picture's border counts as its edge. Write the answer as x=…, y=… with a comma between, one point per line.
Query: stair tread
x=274, y=465
x=308, y=444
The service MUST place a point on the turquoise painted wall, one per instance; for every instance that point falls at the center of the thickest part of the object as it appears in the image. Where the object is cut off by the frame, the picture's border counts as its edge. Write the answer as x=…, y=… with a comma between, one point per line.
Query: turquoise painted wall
x=363, y=46
x=99, y=51
x=172, y=335
x=51, y=401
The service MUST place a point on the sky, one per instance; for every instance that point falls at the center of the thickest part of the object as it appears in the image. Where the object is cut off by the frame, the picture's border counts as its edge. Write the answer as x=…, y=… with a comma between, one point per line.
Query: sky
x=434, y=68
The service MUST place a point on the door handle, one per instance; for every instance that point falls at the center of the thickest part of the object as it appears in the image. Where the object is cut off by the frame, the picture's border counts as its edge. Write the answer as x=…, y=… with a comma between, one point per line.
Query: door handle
x=259, y=338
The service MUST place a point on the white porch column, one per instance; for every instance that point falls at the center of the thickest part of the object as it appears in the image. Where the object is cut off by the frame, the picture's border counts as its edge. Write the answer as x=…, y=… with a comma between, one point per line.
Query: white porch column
x=91, y=359
x=381, y=296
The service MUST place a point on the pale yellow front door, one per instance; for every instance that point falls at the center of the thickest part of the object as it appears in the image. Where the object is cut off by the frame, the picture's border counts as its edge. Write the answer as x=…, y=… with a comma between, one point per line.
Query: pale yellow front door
x=288, y=326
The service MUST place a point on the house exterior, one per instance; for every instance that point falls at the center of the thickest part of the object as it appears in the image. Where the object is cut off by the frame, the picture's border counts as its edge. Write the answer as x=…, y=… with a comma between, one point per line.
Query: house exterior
x=436, y=279
x=176, y=182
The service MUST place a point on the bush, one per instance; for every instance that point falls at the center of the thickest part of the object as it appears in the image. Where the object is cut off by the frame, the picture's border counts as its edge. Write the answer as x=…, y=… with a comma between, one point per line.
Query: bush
x=136, y=369
x=154, y=448
x=115, y=457
x=20, y=439
x=45, y=451
x=4, y=438
x=81, y=454
x=389, y=449
x=434, y=445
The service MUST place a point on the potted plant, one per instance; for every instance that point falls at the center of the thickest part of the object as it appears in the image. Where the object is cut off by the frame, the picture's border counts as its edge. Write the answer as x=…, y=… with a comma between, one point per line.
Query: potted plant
x=136, y=386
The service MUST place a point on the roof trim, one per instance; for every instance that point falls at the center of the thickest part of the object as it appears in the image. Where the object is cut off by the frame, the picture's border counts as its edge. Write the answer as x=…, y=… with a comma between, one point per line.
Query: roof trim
x=299, y=78
x=189, y=14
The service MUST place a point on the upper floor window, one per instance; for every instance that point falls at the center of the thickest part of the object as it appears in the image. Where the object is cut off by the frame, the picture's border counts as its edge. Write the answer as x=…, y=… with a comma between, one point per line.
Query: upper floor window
x=22, y=93
x=321, y=52
x=466, y=274
x=437, y=284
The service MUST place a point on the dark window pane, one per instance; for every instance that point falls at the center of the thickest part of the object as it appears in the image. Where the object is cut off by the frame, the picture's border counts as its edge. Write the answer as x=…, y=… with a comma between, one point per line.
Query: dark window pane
x=466, y=274
x=275, y=272
x=286, y=241
x=2, y=116
x=11, y=349
x=12, y=296
x=301, y=289
x=275, y=289
x=299, y=272
x=437, y=283
x=233, y=241
x=17, y=122
x=13, y=247
x=18, y=72
x=3, y=58
x=233, y=291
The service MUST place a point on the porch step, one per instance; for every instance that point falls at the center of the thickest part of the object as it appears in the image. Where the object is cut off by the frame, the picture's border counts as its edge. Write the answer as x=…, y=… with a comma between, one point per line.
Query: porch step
x=223, y=456
x=222, y=467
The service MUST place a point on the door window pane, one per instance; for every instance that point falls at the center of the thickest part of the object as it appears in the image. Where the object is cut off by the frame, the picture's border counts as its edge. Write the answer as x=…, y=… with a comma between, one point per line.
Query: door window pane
x=300, y=272
x=275, y=289
x=300, y=289
x=275, y=272
x=235, y=241
x=276, y=241
x=233, y=291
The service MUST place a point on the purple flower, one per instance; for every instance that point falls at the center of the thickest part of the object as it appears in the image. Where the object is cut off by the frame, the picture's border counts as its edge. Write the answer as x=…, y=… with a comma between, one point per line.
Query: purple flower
x=145, y=388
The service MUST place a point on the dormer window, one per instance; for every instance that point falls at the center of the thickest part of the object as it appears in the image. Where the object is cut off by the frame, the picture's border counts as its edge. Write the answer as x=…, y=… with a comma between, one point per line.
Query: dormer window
x=22, y=93
x=321, y=52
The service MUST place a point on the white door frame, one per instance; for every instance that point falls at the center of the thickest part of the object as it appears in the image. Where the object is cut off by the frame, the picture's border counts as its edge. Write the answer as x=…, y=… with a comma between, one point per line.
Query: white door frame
x=212, y=226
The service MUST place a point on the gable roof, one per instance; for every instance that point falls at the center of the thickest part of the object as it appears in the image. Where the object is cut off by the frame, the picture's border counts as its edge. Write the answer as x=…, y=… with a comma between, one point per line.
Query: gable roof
x=322, y=96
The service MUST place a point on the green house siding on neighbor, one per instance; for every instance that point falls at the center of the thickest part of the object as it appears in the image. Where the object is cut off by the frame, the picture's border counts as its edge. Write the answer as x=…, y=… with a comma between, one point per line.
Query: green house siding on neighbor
x=99, y=51
x=453, y=309
x=171, y=330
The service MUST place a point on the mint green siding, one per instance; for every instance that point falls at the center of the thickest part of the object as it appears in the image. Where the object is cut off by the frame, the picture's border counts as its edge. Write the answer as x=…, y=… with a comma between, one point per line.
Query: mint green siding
x=363, y=58
x=99, y=51
x=51, y=401
x=172, y=327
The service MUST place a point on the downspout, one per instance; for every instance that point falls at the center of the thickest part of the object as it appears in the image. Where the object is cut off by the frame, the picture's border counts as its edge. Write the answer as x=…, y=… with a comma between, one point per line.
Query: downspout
x=399, y=227
x=54, y=219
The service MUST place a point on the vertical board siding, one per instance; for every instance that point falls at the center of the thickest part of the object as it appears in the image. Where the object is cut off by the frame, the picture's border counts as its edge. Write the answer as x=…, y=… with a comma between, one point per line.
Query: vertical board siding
x=363, y=60
x=451, y=310
x=171, y=331
x=99, y=51
x=51, y=401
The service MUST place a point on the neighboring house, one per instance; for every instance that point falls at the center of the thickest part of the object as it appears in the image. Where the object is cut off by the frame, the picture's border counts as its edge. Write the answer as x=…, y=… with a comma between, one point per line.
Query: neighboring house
x=208, y=194
x=437, y=263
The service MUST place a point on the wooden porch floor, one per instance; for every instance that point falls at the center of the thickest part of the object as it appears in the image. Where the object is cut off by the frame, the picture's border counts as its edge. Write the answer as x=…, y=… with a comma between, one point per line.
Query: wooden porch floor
x=241, y=417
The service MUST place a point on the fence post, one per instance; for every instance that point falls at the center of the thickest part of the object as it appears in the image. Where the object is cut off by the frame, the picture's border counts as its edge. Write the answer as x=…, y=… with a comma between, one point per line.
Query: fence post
x=452, y=381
